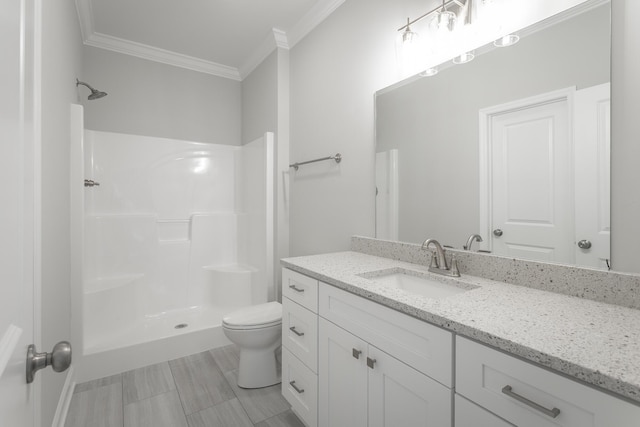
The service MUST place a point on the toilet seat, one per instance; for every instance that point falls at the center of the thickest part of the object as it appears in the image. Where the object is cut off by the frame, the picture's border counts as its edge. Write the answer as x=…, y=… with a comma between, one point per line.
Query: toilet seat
x=254, y=317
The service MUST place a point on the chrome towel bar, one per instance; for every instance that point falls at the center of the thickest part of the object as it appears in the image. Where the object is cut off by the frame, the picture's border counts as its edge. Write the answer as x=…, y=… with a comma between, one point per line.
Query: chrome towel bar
x=337, y=158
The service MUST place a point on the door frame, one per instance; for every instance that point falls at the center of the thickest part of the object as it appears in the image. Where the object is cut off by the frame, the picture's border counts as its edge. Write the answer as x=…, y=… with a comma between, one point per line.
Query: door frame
x=485, y=180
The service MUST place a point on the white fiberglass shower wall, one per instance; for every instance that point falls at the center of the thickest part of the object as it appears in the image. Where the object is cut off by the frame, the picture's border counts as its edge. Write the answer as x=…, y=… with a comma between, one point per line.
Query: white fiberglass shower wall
x=176, y=234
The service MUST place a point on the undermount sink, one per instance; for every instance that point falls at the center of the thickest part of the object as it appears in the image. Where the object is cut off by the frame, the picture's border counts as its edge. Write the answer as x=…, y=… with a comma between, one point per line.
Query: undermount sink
x=416, y=283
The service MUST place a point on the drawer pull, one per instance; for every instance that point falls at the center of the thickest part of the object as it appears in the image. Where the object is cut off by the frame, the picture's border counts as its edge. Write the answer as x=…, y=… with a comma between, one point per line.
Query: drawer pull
x=296, y=288
x=371, y=362
x=293, y=384
x=293, y=329
x=508, y=390
x=356, y=353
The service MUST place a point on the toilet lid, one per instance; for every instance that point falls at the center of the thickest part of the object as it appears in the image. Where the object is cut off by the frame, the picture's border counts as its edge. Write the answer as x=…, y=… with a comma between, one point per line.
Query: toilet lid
x=256, y=315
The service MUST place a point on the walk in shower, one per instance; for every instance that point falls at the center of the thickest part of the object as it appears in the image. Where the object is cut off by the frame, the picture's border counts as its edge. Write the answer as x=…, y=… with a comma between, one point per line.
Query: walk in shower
x=173, y=234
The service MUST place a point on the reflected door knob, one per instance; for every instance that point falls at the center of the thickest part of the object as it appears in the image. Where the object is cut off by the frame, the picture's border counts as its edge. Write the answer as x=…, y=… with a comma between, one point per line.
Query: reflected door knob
x=59, y=359
x=584, y=244
x=497, y=232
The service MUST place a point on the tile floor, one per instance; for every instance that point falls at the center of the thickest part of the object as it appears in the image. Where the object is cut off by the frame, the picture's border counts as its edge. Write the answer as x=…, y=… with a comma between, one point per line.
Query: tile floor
x=195, y=391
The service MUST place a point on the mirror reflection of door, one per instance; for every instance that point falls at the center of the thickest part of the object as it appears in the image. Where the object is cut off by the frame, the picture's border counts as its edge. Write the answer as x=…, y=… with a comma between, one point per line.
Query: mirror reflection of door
x=387, y=195
x=592, y=139
x=539, y=178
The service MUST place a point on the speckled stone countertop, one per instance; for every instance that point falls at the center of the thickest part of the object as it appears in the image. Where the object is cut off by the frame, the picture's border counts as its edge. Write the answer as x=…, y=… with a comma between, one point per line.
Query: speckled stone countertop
x=591, y=341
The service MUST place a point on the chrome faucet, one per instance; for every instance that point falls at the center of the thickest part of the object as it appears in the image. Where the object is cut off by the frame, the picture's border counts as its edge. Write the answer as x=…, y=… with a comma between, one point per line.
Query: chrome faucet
x=439, y=261
x=470, y=240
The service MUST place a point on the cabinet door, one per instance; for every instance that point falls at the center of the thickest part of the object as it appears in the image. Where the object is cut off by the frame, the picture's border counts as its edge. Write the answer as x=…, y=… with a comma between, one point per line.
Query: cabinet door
x=342, y=377
x=401, y=396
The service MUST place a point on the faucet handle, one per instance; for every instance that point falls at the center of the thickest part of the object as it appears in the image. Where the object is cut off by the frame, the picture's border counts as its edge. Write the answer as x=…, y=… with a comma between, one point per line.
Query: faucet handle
x=453, y=270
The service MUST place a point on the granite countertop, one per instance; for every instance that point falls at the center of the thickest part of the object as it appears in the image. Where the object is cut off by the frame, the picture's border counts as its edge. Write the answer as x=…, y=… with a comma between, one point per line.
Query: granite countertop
x=591, y=341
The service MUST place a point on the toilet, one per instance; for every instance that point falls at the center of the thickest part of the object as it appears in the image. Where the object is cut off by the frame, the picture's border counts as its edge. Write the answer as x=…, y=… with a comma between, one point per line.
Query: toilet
x=257, y=331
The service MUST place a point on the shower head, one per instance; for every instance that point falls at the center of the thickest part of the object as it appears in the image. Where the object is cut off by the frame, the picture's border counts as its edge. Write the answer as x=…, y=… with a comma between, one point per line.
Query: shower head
x=95, y=94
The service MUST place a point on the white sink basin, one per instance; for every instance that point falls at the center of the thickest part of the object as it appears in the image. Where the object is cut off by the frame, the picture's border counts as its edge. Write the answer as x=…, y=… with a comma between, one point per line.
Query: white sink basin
x=416, y=284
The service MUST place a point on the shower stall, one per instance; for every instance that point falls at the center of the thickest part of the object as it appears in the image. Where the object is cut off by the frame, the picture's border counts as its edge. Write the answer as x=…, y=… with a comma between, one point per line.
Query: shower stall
x=171, y=235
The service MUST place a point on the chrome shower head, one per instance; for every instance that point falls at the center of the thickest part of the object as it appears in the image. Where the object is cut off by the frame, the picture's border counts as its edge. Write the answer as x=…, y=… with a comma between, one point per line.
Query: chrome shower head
x=95, y=94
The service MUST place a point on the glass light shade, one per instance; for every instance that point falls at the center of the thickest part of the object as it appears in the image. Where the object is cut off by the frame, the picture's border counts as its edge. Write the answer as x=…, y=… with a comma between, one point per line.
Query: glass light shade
x=409, y=36
x=446, y=21
x=429, y=72
x=508, y=40
x=464, y=58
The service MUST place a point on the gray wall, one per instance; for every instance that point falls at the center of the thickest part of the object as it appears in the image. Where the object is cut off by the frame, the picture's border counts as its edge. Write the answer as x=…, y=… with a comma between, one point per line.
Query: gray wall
x=335, y=71
x=154, y=99
x=61, y=62
x=625, y=137
x=260, y=100
x=433, y=122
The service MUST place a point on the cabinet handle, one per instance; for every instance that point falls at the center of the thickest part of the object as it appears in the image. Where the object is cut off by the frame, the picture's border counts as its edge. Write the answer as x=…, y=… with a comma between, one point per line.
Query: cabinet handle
x=296, y=288
x=371, y=362
x=508, y=390
x=293, y=329
x=293, y=384
x=356, y=353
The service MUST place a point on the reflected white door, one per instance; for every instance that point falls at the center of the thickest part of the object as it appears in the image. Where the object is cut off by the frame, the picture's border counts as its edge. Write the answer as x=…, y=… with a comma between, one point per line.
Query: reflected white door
x=592, y=136
x=387, y=195
x=531, y=190
x=16, y=214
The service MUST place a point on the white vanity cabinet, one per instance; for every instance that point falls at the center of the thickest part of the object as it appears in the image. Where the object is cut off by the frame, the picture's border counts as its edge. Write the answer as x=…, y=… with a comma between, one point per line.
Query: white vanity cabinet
x=529, y=396
x=300, y=344
x=376, y=366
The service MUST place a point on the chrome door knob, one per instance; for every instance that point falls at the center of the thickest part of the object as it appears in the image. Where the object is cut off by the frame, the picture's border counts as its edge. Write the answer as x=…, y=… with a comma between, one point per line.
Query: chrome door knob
x=59, y=359
x=497, y=232
x=584, y=244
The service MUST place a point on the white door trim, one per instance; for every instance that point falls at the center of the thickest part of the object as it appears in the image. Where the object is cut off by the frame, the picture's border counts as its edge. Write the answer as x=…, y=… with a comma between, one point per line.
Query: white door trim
x=485, y=155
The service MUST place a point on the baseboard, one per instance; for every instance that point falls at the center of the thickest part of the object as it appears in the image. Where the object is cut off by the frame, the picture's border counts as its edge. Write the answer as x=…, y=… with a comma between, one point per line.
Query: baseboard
x=65, y=399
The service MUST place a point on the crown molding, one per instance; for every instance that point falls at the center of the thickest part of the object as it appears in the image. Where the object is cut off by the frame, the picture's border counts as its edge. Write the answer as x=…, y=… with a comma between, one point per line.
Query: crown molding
x=277, y=39
x=312, y=19
x=163, y=56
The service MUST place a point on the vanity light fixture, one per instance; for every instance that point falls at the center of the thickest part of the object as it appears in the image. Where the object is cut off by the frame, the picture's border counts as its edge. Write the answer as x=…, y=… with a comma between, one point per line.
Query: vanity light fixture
x=408, y=36
x=508, y=40
x=464, y=58
x=445, y=18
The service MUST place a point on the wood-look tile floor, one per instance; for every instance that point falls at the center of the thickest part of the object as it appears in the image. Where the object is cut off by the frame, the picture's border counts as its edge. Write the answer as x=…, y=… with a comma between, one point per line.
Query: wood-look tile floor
x=195, y=391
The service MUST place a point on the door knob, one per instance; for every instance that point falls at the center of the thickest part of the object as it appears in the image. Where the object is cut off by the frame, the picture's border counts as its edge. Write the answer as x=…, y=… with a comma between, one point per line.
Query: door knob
x=59, y=359
x=497, y=232
x=584, y=244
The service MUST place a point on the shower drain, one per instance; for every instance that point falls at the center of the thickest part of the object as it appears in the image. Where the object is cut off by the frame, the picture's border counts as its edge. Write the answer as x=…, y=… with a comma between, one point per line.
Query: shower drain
x=181, y=325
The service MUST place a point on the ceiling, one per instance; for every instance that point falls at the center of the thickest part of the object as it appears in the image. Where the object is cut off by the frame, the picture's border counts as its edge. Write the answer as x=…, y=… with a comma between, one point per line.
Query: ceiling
x=227, y=38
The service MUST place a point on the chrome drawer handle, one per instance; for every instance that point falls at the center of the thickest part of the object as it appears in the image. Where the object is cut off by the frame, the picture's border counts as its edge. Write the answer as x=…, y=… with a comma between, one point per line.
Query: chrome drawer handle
x=356, y=353
x=508, y=390
x=371, y=362
x=295, y=288
x=293, y=384
x=293, y=329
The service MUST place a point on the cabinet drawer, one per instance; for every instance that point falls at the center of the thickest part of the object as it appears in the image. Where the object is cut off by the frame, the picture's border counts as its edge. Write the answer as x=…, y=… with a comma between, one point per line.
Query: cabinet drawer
x=424, y=347
x=527, y=395
x=300, y=333
x=300, y=388
x=469, y=414
x=300, y=288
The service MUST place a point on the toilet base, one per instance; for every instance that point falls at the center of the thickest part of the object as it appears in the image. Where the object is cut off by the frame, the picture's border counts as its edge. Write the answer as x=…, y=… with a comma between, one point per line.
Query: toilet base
x=260, y=367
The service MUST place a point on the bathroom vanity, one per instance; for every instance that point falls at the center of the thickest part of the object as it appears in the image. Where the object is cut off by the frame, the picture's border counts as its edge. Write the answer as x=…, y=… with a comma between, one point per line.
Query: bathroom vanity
x=361, y=351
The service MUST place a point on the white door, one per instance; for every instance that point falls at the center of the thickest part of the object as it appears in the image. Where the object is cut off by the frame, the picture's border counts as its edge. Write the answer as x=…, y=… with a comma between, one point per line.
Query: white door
x=531, y=180
x=387, y=195
x=17, y=399
x=401, y=396
x=342, y=377
x=592, y=136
